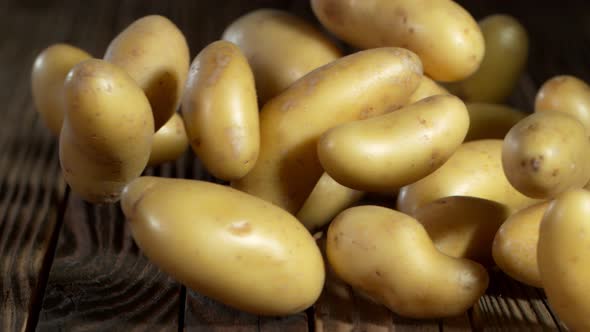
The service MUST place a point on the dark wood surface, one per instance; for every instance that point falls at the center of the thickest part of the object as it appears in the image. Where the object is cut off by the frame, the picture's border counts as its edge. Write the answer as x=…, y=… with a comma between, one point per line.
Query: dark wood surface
x=69, y=266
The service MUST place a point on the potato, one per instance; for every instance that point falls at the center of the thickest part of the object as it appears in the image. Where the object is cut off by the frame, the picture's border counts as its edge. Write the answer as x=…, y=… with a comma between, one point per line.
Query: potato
x=488, y=121
x=474, y=170
x=384, y=153
x=441, y=32
x=47, y=81
x=280, y=47
x=546, y=154
x=354, y=87
x=566, y=94
x=507, y=46
x=169, y=142
x=389, y=256
x=515, y=245
x=155, y=53
x=427, y=88
x=564, y=259
x=241, y=250
x=107, y=133
x=462, y=226
x=220, y=111
x=326, y=200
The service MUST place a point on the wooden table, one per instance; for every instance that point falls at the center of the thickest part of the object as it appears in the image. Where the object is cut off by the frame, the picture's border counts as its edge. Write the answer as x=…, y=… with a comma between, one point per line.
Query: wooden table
x=69, y=266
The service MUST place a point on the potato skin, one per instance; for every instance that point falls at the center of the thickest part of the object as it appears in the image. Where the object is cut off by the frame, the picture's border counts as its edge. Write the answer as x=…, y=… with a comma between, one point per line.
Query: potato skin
x=389, y=256
x=546, y=154
x=280, y=47
x=564, y=260
x=107, y=133
x=474, y=170
x=291, y=124
x=169, y=142
x=506, y=53
x=386, y=152
x=175, y=219
x=220, y=111
x=47, y=81
x=155, y=53
x=444, y=35
x=427, y=88
x=489, y=121
x=515, y=244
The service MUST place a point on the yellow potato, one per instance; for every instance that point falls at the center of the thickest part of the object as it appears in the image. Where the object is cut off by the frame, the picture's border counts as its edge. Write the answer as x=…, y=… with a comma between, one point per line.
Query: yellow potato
x=389, y=256
x=488, y=121
x=280, y=47
x=354, y=87
x=220, y=111
x=564, y=258
x=507, y=47
x=155, y=53
x=384, y=153
x=326, y=200
x=566, y=94
x=474, y=170
x=515, y=245
x=463, y=227
x=225, y=244
x=546, y=154
x=47, y=81
x=107, y=133
x=441, y=32
x=427, y=88
x=169, y=142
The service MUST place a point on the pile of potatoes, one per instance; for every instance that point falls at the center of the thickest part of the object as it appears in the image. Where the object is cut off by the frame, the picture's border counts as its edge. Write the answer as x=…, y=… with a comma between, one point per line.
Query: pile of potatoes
x=302, y=132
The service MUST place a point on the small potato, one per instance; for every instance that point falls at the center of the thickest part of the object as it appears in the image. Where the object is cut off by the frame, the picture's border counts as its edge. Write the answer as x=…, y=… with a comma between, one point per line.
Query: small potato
x=488, y=121
x=155, y=53
x=546, y=154
x=389, y=256
x=354, y=87
x=107, y=133
x=515, y=245
x=169, y=142
x=225, y=244
x=427, y=88
x=327, y=199
x=507, y=47
x=47, y=81
x=441, y=32
x=220, y=111
x=280, y=47
x=463, y=227
x=474, y=170
x=386, y=152
x=566, y=94
x=564, y=258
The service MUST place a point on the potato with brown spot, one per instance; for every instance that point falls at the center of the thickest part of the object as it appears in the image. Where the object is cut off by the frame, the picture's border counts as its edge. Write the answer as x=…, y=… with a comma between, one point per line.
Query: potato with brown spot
x=546, y=154
x=220, y=111
x=489, y=121
x=169, y=142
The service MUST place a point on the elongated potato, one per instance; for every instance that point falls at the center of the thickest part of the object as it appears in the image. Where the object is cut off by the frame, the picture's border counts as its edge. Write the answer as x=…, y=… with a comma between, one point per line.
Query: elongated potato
x=489, y=121
x=564, y=258
x=243, y=256
x=169, y=142
x=427, y=88
x=326, y=200
x=515, y=244
x=546, y=154
x=357, y=86
x=389, y=256
x=444, y=35
x=155, y=53
x=220, y=111
x=386, y=152
x=505, y=58
x=462, y=226
x=280, y=47
x=566, y=94
x=47, y=81
x=474, y=170
x=107, y=133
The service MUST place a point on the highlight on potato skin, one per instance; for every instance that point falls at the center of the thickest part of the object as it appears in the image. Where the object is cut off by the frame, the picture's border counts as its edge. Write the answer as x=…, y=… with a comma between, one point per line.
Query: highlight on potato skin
x=169, y=142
